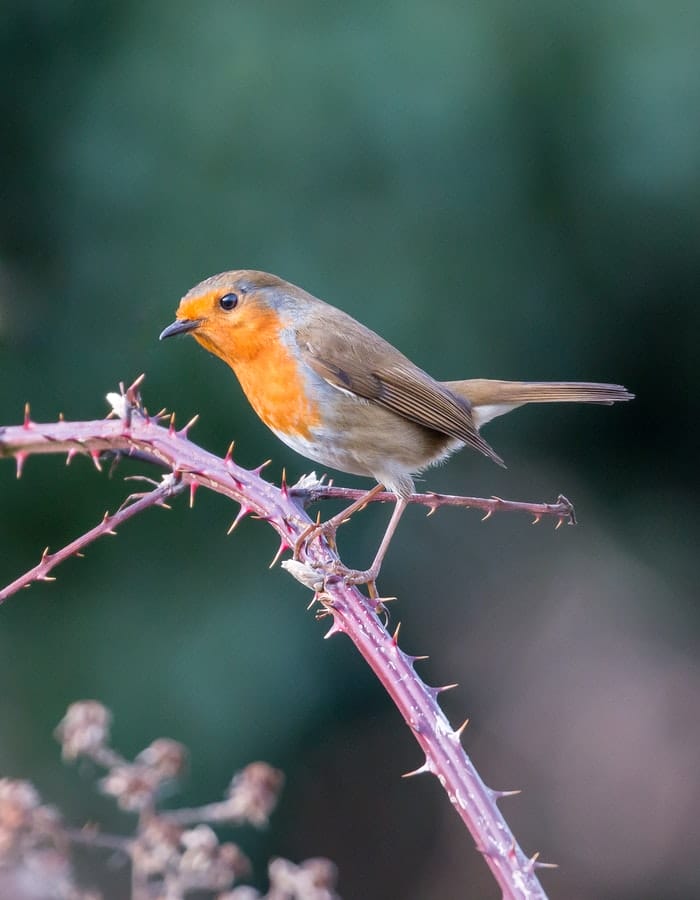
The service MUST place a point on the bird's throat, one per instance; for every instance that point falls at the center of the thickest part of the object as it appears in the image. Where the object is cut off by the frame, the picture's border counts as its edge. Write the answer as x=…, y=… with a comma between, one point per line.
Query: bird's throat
x=270, y=375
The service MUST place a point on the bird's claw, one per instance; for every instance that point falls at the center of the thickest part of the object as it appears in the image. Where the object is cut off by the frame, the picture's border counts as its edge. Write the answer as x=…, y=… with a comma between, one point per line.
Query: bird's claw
x=357, y=577
x=325, y=529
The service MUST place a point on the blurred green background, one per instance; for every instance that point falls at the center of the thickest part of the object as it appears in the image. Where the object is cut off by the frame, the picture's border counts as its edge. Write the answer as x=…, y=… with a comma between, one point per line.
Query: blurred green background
x=502, y=190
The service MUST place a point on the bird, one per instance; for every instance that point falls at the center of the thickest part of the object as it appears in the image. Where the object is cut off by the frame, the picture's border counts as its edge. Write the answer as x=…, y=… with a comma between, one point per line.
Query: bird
x=339, y=394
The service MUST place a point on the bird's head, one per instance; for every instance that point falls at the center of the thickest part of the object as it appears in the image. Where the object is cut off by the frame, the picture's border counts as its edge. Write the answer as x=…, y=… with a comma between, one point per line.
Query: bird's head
x=233, y=314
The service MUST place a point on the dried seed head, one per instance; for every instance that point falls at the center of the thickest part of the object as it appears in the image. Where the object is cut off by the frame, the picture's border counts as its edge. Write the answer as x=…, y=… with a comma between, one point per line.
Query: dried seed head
x=18, y=800
x=134, y=786
x=157, y=847
x=200, y=839
x=25, y=825
x=314, y=879
x=165, y=756
x=232, y=856
x=84, y=729
x=244, y=892
x=253, y=793
x=208, y=865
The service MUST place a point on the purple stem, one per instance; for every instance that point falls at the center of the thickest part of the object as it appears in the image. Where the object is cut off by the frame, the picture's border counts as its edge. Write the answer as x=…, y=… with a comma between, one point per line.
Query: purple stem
x=354, y=613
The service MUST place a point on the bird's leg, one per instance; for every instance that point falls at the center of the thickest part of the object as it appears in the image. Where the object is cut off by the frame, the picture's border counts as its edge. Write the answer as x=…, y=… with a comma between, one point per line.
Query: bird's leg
x=369, y=576
x=330, y=526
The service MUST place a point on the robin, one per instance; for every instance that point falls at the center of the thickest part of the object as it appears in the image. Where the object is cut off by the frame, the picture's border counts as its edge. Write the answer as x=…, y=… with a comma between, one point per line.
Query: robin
x=341, y=395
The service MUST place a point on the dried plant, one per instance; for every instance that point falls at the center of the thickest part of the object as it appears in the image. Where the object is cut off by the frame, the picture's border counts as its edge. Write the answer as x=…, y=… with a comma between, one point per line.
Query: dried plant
x=171, y=852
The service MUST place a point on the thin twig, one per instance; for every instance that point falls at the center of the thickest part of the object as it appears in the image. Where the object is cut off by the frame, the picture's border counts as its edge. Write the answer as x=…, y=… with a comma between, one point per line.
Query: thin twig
x=219, y=812
x=562, y=509
x=91, y=837
x=132, y=506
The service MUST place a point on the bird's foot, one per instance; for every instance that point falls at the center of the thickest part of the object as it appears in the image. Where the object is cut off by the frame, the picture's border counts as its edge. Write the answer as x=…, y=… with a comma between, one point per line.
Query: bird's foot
x=356, y=577
x=349, y=576
x=328, y=528
x=325, y=529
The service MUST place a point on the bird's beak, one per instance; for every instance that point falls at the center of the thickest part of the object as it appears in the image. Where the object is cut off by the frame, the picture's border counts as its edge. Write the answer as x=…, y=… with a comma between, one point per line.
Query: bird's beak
x=179, y=326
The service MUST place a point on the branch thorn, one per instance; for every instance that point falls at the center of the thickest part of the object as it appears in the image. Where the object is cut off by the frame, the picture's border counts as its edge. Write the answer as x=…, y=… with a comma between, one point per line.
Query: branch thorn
x=395, y=636
x=27, y=417
x=19, y=459
x=105, y=519
x=132, y=392
x=534, y=863
x=457, y=734
x=335, y=627
x=421, y=770
x=193, y=421
x=501, y=795
x=242, y=513
x=284, y=545
x=545, y=865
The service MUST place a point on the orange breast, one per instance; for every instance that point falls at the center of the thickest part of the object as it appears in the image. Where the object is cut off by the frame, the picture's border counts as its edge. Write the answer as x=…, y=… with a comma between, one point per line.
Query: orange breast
x=277, y=392
x=267, y=371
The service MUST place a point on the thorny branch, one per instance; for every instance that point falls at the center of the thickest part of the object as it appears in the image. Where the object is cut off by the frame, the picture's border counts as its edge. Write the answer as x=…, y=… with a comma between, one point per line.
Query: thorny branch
x=134, y=504
x=139, y=435
x=562, y=509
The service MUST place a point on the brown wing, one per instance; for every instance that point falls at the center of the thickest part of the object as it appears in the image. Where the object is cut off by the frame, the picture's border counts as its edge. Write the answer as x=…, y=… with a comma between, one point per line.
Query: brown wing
x=356, y=360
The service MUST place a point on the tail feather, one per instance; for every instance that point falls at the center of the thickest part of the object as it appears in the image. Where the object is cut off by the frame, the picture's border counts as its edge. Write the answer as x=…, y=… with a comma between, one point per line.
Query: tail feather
x=494, y=398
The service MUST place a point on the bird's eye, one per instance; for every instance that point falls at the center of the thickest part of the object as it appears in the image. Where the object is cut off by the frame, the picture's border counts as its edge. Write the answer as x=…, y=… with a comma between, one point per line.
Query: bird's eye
x=228, y=301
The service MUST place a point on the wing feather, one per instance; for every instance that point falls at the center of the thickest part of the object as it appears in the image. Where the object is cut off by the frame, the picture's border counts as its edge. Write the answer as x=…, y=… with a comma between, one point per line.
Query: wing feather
x=355, y=361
